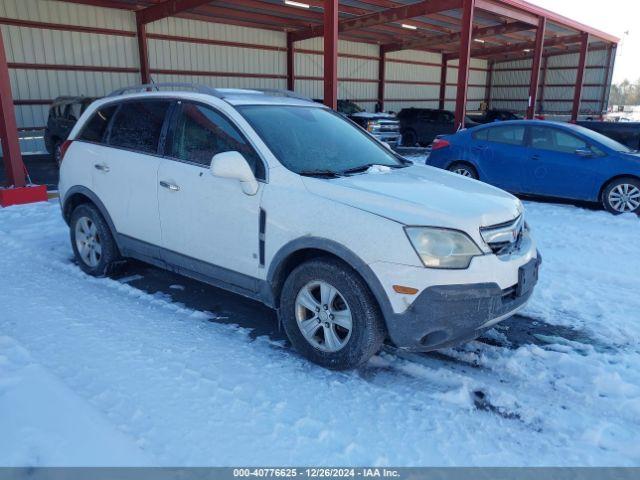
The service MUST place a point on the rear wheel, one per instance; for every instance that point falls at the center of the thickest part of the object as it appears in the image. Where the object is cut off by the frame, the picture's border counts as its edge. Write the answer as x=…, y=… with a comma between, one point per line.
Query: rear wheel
x=330, y=316
x=409, y=138
x=464, y=169
x=622, y=196
x=92, y=242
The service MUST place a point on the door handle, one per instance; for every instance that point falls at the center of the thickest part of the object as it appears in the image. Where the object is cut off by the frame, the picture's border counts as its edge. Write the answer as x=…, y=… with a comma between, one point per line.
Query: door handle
x=102, y=167
x=535, y=157
x=169, y=186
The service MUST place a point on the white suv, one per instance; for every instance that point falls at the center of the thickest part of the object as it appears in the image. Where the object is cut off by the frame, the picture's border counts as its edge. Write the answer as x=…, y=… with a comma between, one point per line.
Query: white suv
x=280, y=199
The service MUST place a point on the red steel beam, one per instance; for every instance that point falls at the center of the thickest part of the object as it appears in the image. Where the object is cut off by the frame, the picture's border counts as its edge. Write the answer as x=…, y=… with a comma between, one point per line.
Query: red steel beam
x=381, y=78
x=522, y=47
x=443, y=82
x=482, y=32
x=543, y=82
x=393, y=14
x=12, y=158
x=168, y=8
x=535, y=67
x=577, y=94
x=331, y=53
x=291, y=76
x=143, y=51
x=464, y=58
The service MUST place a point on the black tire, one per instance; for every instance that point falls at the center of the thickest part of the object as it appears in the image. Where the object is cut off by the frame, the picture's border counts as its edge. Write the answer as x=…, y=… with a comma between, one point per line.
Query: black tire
x=409, y=138
x=456, y=167
x=368, y=331
x=623, y=182
x=109, y=256
x=56, y=153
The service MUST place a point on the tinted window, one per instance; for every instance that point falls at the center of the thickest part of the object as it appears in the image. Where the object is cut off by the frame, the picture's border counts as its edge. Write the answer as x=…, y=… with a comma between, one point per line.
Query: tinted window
x=96, y=127
x=74, y=111
x=555, y=140
x=445, y=117
x=510, y=134
x=481, y=134
x=201, y=132
x=311, y=139
x=138, y=125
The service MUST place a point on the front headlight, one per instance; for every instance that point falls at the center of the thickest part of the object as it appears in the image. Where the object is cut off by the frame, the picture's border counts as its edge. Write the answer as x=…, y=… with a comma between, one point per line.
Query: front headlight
x=442, y=248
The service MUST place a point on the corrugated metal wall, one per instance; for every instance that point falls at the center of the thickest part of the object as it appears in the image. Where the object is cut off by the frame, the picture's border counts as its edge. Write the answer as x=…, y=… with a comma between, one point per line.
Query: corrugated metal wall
x=557, y=85
x=413, y=79
x=26, y=47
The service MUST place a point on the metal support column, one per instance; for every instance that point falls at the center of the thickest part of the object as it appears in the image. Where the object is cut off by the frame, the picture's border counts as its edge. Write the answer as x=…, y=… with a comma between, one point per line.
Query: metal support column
x=143, y=50
x=291, y=75
x=331, y=53
x=536, y=62
x=13, y=166
x=463, y=62
x=443, y=82
x=582, y=63
x=381, y=76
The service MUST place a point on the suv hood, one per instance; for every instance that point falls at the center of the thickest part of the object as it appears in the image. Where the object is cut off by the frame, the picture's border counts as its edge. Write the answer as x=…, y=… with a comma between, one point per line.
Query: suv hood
x=422, y=196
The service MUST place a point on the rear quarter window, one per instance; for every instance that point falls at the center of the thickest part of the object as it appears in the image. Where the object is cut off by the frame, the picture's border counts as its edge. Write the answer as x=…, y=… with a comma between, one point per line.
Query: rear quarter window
x=96, y=127
x=138, y=125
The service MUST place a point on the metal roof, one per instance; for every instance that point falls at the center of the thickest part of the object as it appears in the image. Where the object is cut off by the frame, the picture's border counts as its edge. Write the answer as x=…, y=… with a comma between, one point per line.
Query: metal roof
x=432, y=25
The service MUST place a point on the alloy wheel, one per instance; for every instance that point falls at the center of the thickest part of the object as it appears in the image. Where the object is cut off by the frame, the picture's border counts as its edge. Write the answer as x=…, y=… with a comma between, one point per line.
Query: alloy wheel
x=323, y=316
x=463, y=171
x=88, y=241
x=624, y=198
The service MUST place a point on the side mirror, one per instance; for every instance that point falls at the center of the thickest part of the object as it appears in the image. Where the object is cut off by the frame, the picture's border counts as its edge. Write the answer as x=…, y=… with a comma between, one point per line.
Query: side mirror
x=584, y=152
x=233, y=165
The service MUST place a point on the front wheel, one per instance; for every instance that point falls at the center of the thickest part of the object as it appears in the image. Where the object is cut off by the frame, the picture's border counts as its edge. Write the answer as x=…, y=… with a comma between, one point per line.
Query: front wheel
x=464, y=169
x=330, y=316
x=622, y=196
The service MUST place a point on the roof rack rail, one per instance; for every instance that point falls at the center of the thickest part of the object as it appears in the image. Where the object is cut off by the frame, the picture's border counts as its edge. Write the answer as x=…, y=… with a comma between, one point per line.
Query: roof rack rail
x=283, y=93
x=157, y=86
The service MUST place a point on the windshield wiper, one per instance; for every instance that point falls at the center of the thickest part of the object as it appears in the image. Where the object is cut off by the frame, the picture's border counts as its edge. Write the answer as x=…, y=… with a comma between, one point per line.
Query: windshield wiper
x=363, y=168
x=320, y=173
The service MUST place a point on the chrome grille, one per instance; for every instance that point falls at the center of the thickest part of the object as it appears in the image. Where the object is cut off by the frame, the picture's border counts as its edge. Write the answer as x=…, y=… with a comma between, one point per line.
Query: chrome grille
x=504, y=237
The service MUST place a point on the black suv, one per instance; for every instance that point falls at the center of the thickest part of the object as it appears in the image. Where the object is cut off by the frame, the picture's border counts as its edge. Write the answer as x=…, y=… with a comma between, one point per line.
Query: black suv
x=63, y=115
x=422, y=125
x=495, y=115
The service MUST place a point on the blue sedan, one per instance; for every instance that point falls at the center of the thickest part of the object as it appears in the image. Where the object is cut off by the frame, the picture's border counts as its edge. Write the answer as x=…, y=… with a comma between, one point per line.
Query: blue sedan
x=548, y=159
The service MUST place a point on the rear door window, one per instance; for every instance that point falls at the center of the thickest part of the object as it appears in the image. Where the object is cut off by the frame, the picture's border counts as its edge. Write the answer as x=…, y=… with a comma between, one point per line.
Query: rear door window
x=508, y=134
x=95, y=129
x=138, y=125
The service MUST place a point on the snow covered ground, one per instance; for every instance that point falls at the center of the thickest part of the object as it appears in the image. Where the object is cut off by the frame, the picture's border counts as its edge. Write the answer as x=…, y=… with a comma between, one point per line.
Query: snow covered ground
x=97, y=372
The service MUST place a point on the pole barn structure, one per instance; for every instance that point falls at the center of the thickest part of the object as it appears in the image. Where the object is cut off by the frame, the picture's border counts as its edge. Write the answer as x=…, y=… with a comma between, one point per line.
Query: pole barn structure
x=384, y=54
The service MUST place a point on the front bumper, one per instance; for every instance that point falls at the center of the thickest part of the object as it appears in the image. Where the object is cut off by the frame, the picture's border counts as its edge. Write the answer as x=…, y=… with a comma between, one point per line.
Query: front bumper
x=393, y=139
x=445, y=315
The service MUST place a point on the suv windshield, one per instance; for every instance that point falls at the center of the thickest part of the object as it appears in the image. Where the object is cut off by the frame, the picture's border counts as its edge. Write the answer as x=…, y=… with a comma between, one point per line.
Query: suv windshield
x=316, y=140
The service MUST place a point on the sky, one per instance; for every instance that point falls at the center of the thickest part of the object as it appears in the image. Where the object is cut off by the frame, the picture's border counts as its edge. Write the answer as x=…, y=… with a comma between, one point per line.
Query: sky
x=617, y=17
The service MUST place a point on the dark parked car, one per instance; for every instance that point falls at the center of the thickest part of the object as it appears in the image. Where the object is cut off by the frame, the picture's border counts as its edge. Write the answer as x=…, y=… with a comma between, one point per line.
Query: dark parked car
x=63, y=115
x=627, y=133
x=545, y=158
x=422, y=125
x=494, y=115
x=383, y=126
